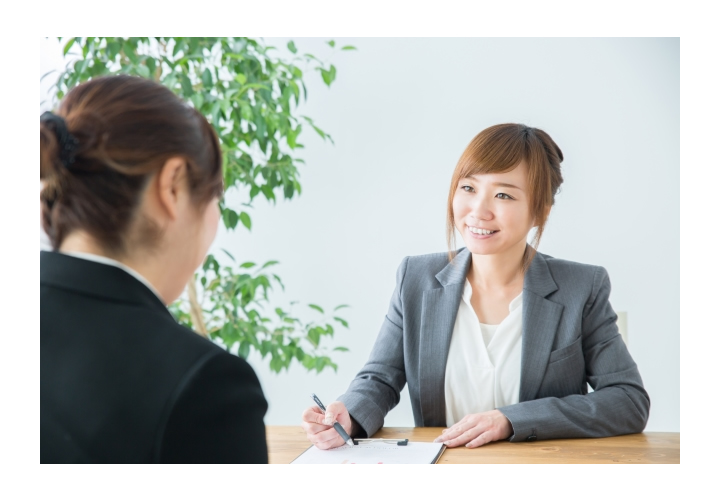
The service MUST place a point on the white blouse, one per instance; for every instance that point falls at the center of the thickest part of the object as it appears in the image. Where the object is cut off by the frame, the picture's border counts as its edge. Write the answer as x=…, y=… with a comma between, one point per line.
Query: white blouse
x=483, y=366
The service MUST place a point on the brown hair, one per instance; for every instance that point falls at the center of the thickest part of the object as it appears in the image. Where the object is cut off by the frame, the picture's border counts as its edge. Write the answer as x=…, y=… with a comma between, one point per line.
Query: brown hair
x=125, y=128
x=501, y=148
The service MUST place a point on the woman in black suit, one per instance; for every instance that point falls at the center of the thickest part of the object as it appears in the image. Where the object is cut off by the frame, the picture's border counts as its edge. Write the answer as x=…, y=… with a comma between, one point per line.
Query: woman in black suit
x=132, y=178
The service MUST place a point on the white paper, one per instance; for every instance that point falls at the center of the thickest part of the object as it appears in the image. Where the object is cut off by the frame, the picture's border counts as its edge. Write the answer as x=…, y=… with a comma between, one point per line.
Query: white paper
x=373, y=453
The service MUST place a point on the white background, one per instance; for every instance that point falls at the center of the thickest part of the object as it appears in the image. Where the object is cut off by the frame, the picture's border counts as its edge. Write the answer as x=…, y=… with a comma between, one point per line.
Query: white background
x=402, y=111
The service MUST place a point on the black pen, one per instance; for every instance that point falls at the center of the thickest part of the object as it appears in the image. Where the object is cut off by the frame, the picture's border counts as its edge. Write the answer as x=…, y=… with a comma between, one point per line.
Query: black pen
x=338, y=427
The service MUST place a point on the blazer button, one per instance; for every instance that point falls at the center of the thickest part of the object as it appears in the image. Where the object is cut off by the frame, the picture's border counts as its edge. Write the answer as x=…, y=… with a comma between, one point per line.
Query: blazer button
x=532, y=437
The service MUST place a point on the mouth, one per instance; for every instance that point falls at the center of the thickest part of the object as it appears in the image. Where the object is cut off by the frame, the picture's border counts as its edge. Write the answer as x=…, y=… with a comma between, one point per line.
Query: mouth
x=480, y=232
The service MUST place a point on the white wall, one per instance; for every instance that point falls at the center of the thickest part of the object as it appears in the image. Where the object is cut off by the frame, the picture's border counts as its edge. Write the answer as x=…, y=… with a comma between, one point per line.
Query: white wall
x=402, y=111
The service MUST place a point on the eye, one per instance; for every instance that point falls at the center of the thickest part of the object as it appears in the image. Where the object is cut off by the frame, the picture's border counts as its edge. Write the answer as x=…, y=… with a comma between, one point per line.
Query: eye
x=467, y=189
x=504, y=196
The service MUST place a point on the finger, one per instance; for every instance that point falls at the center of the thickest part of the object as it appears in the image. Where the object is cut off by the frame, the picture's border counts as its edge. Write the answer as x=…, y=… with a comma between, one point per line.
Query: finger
x=327, y=439
x=333, y=411
x=313, y=415
x=328, y=445
x=463, y=438
x=482, y=439
x=314, y=428
x=452, y=432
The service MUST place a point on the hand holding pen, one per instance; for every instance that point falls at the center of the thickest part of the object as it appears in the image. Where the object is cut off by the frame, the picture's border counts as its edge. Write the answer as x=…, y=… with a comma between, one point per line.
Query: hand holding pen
x=318, y=424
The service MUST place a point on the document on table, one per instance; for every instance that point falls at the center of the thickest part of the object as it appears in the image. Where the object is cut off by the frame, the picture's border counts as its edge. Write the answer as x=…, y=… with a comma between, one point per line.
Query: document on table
x=375, y=453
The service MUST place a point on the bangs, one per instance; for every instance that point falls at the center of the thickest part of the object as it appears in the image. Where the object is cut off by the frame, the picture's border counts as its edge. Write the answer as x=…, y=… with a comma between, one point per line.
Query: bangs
x=496, y=150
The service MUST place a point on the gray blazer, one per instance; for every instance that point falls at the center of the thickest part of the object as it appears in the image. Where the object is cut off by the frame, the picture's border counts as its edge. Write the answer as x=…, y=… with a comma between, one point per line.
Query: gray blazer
x=569, y=340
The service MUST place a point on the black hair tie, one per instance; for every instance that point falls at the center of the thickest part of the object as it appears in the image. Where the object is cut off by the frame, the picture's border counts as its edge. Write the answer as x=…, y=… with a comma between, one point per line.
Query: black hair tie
x=68, y=142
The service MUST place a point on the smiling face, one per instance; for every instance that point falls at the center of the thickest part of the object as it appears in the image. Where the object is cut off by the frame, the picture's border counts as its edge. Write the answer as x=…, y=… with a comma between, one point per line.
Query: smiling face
x=492, y=211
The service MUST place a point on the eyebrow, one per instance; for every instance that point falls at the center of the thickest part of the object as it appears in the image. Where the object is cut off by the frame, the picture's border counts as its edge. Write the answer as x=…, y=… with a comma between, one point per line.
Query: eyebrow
x=505, y=184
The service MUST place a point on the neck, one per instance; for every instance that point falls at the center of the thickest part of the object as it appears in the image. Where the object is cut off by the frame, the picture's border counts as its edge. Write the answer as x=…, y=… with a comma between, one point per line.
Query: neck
x=498, y=270
x=81, y=241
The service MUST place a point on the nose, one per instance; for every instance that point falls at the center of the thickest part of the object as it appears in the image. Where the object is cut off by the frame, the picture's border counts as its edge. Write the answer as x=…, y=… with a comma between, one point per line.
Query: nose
x=482, y=209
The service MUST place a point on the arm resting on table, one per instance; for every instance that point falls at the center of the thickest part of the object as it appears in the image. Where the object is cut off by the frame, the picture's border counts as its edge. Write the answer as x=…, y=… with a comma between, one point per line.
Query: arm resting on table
x=619, y=403
x=375, y=390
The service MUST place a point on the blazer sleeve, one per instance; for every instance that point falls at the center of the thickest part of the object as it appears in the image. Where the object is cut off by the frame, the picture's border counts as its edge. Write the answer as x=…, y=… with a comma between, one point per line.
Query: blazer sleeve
x=217, y=416
x=619, y=403
x=375, y=390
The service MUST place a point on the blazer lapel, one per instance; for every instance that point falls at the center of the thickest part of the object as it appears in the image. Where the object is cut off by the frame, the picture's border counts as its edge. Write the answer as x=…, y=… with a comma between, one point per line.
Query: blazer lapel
x=439, y=310
x=539, y=324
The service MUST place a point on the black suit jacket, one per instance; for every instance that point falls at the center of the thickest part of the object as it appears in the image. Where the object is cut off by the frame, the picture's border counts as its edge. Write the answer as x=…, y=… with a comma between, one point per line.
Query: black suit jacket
x=122, y=381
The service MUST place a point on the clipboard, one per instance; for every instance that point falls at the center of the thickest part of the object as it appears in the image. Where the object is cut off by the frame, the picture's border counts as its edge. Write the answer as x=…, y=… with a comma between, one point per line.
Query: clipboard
x=375, y=451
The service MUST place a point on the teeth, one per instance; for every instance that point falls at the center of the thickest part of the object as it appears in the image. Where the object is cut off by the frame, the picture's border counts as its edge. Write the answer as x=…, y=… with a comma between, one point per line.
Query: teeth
x=481, y=231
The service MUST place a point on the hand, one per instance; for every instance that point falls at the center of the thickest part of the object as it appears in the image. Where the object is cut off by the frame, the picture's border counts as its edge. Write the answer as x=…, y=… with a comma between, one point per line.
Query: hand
x=477, y=429
x=319, y=428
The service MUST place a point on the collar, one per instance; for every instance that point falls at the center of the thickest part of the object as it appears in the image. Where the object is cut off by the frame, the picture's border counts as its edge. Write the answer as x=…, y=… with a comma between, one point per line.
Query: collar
x=538, y=279
x=112, y=262
x=91, y=277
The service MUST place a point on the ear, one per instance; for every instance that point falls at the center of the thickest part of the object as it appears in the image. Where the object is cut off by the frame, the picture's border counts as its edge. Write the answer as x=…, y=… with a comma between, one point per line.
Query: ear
x=169, y=185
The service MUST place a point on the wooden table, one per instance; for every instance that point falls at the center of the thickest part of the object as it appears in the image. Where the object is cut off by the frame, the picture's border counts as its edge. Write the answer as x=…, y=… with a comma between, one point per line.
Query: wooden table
x=286, y=443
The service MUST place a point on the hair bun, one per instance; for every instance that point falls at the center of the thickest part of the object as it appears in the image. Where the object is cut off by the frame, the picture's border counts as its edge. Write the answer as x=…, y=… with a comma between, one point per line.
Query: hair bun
x=67, y=143
x=50, y=164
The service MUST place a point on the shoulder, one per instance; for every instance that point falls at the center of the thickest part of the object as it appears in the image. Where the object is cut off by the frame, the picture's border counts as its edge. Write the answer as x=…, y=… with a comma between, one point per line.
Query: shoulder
x=422, y=270
x=430, y=263
x=214, y=361
x=576, y=278
x=568, y=269
x=106, y=328
x=196, y=356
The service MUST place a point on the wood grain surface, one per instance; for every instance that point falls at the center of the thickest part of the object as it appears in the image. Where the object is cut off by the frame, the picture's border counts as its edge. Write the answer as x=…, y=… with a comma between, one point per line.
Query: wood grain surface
x=285, y=443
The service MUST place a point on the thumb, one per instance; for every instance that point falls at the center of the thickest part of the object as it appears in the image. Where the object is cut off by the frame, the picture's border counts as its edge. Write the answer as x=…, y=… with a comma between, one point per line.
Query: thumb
x=333, y=411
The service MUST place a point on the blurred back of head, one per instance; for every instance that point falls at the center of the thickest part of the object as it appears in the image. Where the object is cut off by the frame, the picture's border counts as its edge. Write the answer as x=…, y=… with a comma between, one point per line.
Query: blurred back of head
x=108, y=138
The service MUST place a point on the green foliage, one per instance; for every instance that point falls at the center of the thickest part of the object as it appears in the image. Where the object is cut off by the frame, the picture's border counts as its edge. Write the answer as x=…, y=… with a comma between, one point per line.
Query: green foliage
x=247, y=94
x=250, y=96
x=237, y=316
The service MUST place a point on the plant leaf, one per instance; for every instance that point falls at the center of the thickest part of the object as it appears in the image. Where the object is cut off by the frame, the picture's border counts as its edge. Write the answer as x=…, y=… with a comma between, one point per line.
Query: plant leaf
x=68, y=45
x=228, y=254
x=230, y=218
x=245, y=219
x=186, y=85
x=207, y=78
x=314, y=337
x=317, y=308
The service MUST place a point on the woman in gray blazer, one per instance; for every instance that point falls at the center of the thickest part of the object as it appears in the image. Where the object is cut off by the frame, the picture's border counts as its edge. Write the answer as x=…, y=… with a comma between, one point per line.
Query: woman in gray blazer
x=559, y=311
